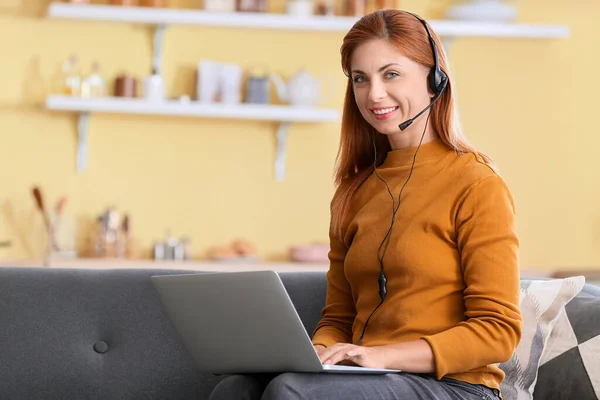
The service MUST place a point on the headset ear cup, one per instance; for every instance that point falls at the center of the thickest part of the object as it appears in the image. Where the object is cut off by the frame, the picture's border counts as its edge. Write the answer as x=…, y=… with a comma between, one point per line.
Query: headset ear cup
x=437, y=80
x=434, y=81
x=443, y=81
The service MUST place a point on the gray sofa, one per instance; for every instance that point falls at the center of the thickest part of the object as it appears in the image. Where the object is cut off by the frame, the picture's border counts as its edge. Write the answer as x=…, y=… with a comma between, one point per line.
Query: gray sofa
x=103, y=334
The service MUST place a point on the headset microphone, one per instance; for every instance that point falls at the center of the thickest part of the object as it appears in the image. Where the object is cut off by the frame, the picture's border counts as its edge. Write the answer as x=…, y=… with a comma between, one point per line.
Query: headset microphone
x=407, y=123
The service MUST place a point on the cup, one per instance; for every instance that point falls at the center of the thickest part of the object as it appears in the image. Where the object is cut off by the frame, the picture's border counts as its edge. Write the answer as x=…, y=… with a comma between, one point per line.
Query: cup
x=220, y=5
x=126, y=86
x=154, y=89
x=63, y=234
x=257, y=89
x=300, y=8
x=208, y=82
x=231, y=83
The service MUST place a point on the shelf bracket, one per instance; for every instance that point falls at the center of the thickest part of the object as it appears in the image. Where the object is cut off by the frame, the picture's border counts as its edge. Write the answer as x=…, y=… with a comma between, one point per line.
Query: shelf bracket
x=158, y=47
x=82, y=140
x=282, y=136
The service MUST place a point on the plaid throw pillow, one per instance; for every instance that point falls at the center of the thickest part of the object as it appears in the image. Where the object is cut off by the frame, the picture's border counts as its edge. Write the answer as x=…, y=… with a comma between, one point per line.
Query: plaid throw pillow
x=570, y=364
x=541, y=303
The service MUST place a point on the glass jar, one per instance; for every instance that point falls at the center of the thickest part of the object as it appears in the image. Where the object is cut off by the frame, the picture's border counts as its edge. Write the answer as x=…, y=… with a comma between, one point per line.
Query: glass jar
x=251, y=5
x=220, y=5
x=126, y=3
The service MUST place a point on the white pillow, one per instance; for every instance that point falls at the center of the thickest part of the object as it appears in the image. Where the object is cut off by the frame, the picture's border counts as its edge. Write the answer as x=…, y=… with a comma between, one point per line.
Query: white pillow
x=541, y=303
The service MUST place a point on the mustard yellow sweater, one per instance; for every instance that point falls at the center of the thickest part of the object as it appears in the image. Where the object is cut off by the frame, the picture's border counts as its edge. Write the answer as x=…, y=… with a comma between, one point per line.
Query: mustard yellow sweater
x=451, y=265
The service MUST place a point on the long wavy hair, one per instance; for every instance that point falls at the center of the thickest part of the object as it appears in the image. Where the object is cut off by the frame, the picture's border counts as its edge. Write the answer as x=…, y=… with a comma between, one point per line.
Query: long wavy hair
x=355, y=157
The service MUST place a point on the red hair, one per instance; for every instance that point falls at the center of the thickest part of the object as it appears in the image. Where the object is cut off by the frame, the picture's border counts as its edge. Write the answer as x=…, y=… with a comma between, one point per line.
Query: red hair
x=354, y=163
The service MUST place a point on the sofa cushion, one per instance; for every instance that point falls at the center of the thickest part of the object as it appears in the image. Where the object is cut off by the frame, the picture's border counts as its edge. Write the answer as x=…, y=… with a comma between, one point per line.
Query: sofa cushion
x=573, y=353
x=541, y=302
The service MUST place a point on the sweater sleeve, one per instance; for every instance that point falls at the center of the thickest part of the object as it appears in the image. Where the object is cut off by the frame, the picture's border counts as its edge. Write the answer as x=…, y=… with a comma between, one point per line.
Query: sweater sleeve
x=339, y=312
x=488, y=247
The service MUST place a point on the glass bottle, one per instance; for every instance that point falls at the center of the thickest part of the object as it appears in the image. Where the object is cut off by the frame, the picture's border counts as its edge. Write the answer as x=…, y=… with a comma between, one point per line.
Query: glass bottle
x=127, y=3
x=251, y=5
x=355, y=8
x=153, y=3
x=72, y=83
x=93, y=85
x=384, y=4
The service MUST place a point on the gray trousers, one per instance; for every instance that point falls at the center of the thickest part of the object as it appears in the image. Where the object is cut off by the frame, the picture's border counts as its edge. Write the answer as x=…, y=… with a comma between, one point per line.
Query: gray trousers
x=401, y=386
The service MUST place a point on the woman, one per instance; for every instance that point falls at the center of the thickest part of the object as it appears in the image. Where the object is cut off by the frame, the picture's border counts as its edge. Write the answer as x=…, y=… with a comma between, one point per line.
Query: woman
x=423, y=270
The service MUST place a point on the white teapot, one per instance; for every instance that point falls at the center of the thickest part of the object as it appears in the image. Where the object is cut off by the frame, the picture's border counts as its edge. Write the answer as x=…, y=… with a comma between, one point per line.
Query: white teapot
x=302, y=89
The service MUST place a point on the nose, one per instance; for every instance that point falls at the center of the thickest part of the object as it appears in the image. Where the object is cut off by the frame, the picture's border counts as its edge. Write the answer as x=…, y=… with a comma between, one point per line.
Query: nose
x=376, y=90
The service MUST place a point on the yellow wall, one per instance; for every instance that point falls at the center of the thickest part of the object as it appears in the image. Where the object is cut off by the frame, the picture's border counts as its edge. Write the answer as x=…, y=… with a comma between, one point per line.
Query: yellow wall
x=524, y=102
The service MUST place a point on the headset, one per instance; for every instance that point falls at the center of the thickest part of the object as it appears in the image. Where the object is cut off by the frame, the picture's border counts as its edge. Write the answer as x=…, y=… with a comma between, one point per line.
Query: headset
x=437, y=81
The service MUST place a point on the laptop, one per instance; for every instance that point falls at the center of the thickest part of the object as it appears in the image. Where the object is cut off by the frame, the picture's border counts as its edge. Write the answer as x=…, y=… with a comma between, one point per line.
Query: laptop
x=242, y=322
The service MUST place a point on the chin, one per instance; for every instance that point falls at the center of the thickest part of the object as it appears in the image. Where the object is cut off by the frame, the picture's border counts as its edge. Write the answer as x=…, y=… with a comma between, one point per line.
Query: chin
x=387, y=127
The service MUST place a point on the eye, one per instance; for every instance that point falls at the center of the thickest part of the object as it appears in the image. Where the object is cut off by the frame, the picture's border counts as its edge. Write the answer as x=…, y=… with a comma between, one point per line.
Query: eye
x=391, y=74
x=358, y=79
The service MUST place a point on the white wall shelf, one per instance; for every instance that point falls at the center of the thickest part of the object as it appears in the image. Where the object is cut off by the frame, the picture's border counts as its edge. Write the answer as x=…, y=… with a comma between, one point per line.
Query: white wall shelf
x=259, y=112
x=281, y=114
x=154, y=16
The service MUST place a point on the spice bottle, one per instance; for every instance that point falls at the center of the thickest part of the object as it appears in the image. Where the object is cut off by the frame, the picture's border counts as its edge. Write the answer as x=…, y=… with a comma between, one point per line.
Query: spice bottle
x=251, y=5
x=355, y=8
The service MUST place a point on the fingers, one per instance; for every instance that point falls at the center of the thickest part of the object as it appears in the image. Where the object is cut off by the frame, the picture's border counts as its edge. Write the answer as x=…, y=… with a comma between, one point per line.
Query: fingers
x=340, y=353
x=340, y=357
x=348, y=363
x=350, y=354
x=329, y=351
x=353, y=356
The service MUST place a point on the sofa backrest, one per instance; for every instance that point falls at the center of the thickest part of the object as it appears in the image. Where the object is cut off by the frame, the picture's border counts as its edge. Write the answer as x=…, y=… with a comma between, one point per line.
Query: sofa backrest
x=91, y=334
x=104, y=334
x=592, y=290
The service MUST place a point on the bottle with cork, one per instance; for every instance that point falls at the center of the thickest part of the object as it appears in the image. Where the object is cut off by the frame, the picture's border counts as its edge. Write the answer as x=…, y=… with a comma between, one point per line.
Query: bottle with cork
x=355, y=8
x=93, y=85
x=71, y=85
x=383, y=4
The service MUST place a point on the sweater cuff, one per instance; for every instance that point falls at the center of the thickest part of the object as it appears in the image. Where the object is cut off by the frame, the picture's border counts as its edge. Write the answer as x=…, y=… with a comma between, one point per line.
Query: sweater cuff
x=444, y=346
x=328, y=336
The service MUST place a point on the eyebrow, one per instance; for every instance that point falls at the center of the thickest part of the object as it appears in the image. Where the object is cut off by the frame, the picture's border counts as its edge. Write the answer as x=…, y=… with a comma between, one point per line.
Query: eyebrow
x=358, y=71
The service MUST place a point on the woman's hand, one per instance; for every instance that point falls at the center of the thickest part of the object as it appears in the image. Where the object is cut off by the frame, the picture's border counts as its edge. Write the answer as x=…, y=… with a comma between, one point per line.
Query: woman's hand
x=414, y=356
x=350, y=354
x=319, y=348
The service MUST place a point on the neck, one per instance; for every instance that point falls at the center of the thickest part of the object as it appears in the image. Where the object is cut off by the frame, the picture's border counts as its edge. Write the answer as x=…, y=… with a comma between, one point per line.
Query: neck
x=412, y=135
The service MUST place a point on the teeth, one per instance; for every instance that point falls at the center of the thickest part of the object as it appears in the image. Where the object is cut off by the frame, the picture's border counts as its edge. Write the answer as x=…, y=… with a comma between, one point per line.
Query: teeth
x=384, y=111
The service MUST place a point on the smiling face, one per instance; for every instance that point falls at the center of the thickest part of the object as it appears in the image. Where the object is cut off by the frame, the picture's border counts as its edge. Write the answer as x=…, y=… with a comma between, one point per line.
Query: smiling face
x=390, y=88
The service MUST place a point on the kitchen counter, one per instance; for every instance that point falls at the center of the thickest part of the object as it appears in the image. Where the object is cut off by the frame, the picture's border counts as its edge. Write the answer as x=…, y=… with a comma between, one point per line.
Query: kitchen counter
x=216, y=266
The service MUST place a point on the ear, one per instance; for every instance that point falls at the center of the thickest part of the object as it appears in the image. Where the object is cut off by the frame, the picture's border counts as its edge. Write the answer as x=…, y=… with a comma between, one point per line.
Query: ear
x=430, y=92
